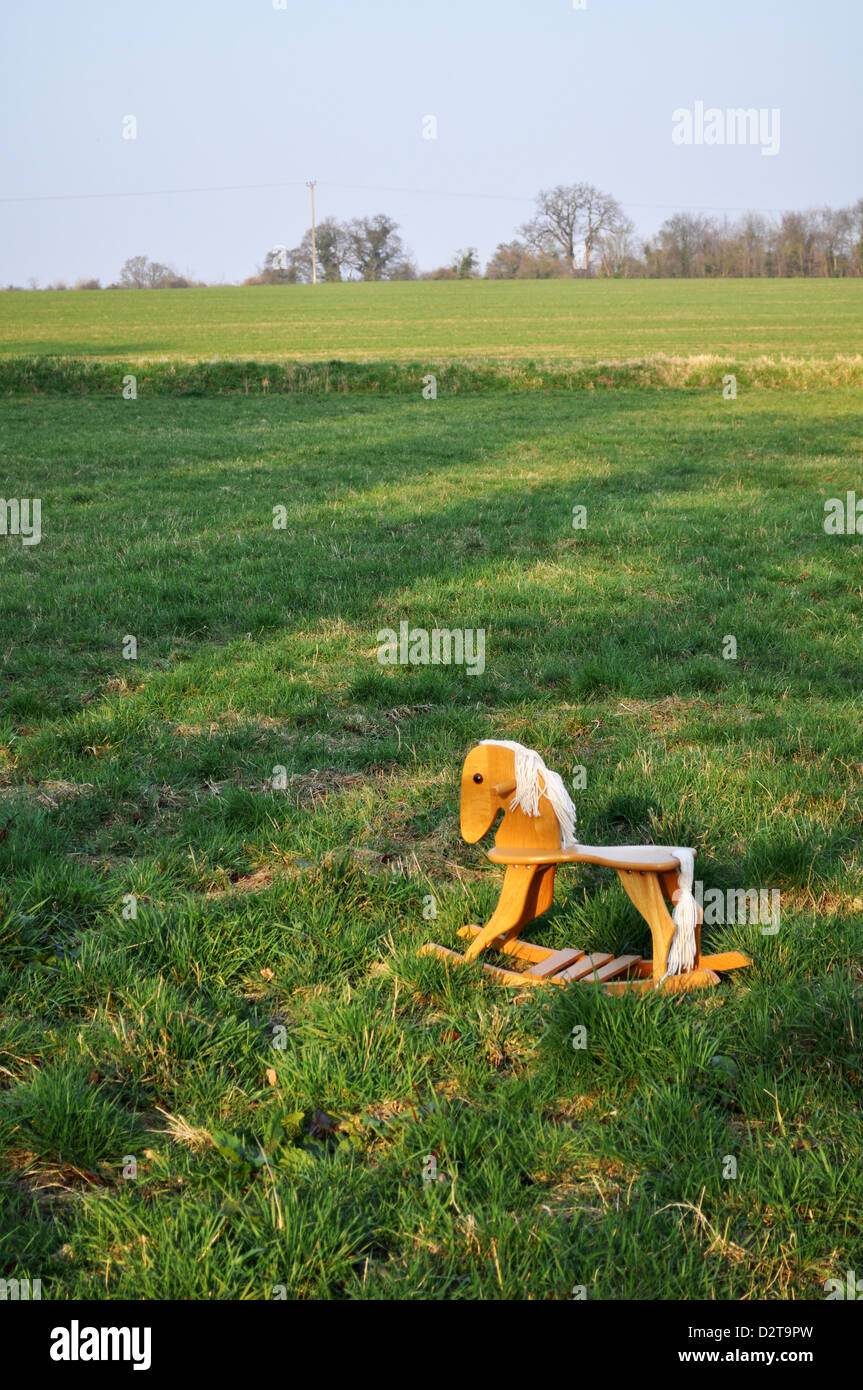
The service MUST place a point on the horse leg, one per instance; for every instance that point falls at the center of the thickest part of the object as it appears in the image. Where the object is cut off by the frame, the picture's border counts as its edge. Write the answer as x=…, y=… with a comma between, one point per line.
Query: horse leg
x=644, y=890
x=527, y=891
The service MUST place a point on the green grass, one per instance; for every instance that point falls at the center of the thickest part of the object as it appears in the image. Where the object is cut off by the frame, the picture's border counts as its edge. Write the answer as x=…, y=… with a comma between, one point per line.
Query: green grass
x=262, y=1036
x=555, y=320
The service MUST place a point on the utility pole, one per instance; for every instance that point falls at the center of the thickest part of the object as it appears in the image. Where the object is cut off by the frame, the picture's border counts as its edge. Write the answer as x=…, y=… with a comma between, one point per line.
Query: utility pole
x=310, y=184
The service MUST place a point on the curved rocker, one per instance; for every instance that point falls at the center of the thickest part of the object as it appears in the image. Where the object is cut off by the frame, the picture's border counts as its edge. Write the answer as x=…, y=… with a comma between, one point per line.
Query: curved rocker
x=536, y=834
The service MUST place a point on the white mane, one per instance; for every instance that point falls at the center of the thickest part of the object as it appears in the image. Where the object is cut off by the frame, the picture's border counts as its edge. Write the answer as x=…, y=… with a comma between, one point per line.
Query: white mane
x=529, y=768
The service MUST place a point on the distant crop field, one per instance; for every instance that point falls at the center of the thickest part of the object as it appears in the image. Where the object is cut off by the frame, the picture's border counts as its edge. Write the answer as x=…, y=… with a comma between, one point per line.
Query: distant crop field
x=550, y=320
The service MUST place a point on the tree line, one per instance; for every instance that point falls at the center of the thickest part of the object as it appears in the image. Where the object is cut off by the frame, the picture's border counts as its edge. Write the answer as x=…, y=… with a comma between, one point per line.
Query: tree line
x=576, y=231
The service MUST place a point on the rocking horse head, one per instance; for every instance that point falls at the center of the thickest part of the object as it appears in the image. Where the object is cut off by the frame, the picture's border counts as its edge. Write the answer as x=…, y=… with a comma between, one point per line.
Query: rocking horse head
x=503, y=776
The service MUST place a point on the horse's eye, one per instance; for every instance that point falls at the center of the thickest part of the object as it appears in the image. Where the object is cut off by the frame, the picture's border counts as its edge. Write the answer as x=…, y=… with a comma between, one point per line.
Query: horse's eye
x=477, y=776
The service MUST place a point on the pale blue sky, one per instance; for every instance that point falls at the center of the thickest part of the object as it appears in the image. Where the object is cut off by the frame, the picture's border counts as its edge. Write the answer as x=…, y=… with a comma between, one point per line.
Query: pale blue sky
x=527, y=93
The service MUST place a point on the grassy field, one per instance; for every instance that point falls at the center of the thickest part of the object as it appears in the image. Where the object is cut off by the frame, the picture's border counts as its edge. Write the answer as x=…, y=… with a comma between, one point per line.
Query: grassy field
x=555, y=320
x=262, y=1037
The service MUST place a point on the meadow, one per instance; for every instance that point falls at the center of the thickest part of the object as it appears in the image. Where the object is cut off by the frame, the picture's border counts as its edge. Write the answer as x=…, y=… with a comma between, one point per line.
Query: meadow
x=224, y=1068
x=586, y=320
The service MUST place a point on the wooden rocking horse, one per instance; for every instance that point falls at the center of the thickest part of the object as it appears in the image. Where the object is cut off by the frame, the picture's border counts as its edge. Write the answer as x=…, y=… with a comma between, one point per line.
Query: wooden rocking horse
x=536, y=834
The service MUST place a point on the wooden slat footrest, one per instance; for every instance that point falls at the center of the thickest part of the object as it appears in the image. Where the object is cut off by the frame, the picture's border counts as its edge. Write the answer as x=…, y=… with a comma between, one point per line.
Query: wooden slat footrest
x=554, y=961
x=619, y=966
x=586, y=966
x=557, y=965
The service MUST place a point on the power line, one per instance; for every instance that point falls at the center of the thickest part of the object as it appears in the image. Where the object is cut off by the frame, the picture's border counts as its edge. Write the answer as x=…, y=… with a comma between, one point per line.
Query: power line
x=531, y=197
x=151, y=192
x=356, y=188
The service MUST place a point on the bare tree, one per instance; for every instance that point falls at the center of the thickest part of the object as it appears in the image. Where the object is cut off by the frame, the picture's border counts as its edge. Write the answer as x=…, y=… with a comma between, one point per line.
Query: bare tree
x=571, y=216
x=333, y=252
x=375, y=249
x=333, y=247
x=160, y=276
x=616, y=248
x=556, y=223
x=140, y=274
x=834, y=239
x=752, y=234
x=682, y=244
x=133, y=276
x=795, y=243
x=602, y=216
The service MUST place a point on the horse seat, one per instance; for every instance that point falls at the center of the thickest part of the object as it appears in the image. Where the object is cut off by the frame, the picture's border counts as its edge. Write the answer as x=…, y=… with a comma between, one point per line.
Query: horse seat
x=635, y=858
